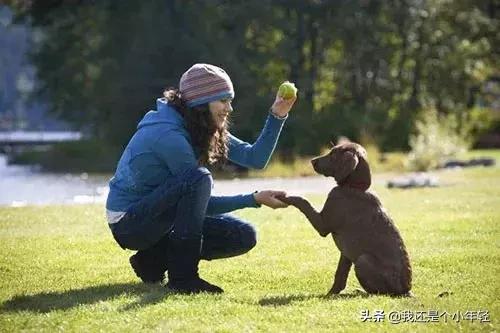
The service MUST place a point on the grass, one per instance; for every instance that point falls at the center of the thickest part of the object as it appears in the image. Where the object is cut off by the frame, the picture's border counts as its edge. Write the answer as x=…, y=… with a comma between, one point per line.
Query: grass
x=61, y=270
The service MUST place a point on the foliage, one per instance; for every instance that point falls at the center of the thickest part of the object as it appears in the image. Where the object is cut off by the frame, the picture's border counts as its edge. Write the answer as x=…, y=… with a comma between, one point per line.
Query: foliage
x=92, y=156
x=437, y=138
x=476, y=122
x=62, y=271
x=362, y=67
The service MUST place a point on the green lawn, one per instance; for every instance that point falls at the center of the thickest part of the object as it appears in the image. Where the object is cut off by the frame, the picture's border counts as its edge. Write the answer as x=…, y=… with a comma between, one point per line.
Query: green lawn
x=61, y=271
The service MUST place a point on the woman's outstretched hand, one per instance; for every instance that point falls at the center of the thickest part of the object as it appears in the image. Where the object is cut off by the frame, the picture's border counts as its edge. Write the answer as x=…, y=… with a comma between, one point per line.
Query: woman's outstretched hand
x=296, y=201
x=269, y=199
x=282, y=106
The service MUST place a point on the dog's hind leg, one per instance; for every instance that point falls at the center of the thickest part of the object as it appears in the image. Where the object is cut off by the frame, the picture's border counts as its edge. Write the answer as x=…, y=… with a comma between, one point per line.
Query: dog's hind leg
x=343, y=268
x=370, y=274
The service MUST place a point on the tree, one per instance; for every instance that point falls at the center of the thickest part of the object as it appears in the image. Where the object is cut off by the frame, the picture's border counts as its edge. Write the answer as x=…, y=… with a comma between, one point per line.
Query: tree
x=364, y=68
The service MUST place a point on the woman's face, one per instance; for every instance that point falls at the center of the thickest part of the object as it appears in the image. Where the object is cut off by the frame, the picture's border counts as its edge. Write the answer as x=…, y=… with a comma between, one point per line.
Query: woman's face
x=220, y=110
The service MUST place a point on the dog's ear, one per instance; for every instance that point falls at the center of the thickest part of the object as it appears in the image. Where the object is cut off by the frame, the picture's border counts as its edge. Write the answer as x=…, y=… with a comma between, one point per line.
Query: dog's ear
x=346, y=162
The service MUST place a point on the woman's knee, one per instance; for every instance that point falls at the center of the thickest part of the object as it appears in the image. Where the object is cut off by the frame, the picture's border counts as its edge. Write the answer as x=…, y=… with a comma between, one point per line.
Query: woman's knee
x=199, y=177
x=227, y=236
x=248, y=237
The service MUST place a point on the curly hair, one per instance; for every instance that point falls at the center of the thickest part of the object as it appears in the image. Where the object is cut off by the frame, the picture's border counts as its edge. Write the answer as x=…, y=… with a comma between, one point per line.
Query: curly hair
x=210, y=141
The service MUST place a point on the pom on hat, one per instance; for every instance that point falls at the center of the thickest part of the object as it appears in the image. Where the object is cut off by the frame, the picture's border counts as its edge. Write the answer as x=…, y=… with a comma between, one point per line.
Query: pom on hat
x=204, y=83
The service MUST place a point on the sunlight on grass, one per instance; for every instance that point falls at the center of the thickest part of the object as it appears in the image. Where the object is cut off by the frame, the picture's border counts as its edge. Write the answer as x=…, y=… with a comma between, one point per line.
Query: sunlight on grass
x=61, y=270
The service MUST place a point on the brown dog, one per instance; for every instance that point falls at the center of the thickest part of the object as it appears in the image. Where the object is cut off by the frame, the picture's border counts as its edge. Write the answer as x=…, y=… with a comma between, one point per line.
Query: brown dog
x=361, y=228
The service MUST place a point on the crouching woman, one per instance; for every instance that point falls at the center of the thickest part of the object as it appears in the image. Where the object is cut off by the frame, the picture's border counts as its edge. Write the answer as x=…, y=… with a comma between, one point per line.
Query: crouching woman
x=160, y=202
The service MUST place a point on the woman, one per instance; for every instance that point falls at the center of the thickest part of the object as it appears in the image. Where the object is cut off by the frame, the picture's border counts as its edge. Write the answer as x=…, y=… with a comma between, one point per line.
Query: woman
x=160, y=200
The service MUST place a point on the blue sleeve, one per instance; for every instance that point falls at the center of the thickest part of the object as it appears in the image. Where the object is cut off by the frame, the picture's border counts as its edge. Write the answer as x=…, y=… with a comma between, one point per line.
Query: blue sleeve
x=257, y=155
x=225, y=204
x=175, y=150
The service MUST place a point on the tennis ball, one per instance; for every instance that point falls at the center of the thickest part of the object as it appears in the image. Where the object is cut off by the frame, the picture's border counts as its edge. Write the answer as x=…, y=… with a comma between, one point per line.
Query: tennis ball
x=287, y=90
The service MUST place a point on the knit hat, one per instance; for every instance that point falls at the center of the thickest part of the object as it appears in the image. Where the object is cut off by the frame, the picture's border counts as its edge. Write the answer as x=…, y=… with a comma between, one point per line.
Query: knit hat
x=204, y=83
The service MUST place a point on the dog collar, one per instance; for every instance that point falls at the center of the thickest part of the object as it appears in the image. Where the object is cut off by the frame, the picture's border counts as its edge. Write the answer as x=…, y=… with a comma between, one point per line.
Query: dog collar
x=362, y=186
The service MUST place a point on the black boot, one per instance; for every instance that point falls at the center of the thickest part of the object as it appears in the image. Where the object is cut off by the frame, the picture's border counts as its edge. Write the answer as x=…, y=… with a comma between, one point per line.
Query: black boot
x=150, y=264
x=183, y=259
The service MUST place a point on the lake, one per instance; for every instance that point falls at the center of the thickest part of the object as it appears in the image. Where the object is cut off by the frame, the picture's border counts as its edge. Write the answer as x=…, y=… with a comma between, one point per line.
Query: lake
x=27, y=185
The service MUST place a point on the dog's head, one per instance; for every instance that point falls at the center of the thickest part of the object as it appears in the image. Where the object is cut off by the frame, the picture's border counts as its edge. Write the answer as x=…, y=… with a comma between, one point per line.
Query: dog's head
x=347, y=163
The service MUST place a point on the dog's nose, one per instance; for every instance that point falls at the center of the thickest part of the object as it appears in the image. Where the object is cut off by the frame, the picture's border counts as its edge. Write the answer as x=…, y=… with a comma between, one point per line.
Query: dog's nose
x=314, y=161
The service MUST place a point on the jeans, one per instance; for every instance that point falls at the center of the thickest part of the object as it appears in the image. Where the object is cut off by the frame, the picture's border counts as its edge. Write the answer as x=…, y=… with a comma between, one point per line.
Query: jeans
x=179, y=207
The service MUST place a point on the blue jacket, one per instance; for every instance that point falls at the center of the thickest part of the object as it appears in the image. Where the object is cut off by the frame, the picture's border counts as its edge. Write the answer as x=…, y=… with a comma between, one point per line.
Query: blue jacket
x=161, y=148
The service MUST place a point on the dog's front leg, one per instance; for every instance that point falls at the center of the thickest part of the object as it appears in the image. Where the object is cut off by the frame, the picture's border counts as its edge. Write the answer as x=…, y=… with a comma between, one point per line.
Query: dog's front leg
x=343, y=268
x=308, y=210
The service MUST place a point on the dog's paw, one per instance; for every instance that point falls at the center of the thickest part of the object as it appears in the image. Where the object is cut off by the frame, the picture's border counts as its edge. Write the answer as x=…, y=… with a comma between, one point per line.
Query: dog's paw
x=334, y=291
x=291, y=200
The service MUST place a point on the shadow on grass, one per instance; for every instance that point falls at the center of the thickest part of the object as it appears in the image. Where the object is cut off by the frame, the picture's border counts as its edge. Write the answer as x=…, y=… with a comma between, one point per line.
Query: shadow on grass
x=47, y=302
x=288, y=299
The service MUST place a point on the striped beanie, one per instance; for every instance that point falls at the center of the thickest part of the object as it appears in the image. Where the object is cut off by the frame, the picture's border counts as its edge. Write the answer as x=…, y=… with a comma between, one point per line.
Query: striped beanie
x=204, y=83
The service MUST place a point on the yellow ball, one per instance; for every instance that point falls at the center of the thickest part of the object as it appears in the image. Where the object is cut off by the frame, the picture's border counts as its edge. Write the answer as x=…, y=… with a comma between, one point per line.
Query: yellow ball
x=287, y=90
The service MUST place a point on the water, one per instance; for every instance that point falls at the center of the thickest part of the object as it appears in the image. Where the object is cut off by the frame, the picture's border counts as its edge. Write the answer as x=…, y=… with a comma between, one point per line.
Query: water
x=25, y=185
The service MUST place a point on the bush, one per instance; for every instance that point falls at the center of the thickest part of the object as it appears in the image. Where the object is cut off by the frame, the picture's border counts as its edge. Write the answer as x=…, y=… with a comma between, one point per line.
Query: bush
x=437, y=138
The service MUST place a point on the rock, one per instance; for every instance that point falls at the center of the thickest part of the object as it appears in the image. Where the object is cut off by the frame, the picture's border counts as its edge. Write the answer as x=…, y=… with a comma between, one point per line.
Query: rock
x=414, y=180
x=481, y=161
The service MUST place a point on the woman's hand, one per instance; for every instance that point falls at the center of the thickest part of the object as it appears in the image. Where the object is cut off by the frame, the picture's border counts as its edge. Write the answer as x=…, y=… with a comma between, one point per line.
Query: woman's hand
x=269, y=199
x=296, y=201
x=282, y=106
